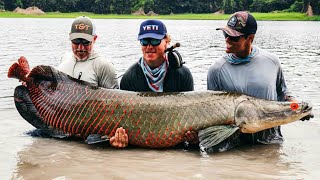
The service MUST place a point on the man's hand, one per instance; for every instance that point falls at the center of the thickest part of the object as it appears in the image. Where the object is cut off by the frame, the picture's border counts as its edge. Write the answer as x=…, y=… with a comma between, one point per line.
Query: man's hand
x=307, y=118
x=192, y=137
x=120, y=139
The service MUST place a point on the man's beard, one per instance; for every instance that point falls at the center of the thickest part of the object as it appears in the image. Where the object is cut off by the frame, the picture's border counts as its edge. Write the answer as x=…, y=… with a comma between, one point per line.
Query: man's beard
x=79, y=54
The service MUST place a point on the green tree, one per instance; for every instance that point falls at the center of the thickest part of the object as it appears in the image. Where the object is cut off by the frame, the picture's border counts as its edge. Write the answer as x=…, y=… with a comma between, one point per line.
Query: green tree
x=149, y=6
x=270, y=5
x=12, y=4
x=121, y=6
x=101, y=6
x=1, y=5
x=164, y=6
x=229, y=6
x=297, y=6
x=315, y=4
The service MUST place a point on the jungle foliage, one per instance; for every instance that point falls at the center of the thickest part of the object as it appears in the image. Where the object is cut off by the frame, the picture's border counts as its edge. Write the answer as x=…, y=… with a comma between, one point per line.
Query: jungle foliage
x=164, y=6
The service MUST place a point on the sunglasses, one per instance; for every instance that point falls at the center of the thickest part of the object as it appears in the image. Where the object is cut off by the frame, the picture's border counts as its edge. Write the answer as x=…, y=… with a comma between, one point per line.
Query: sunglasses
x=151, y=41
x=81, y=41
x=232, y=38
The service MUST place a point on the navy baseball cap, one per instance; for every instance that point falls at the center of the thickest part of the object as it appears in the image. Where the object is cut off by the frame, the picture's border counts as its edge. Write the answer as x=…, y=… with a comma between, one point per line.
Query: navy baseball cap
x=240, y=23
x=152, y=29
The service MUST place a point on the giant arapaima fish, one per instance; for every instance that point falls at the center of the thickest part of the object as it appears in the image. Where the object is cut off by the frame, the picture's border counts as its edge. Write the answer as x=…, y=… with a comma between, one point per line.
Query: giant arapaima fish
x=59, y=104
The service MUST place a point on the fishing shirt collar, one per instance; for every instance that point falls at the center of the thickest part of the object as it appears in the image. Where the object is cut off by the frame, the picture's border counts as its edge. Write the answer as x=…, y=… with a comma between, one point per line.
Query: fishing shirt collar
x=154, y=77
x=233, y=59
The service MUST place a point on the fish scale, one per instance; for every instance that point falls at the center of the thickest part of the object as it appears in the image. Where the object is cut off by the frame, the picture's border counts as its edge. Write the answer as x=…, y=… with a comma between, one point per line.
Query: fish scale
x=154, y=120
x=150, y=108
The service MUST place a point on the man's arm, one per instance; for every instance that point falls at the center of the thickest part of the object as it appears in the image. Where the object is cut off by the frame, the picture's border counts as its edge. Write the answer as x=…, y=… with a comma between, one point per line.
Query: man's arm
x=213, y=79
x=105, y=72
x=187, y=77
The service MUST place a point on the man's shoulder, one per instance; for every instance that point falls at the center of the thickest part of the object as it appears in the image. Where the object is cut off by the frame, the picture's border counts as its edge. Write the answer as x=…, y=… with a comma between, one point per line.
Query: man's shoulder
x=183, y=69
x=133, y=66
x=99, y=59
x=218, y=64
x=268, y=55
x=67, y=61
x=132, y=70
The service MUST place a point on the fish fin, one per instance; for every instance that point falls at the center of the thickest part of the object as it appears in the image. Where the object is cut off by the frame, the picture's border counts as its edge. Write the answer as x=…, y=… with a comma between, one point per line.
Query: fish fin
x=47, y=133
x=19, y=69
x=37, y=133
x=96, y=138
x=213, y=135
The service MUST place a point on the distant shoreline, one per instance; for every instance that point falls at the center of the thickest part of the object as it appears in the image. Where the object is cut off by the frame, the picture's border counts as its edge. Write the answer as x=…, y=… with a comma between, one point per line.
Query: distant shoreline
x=278, y=16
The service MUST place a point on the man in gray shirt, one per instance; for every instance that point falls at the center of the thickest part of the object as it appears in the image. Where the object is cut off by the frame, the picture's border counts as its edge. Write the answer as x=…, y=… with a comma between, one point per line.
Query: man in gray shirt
x=83, y=62
x=88, y=65
x=250, y=70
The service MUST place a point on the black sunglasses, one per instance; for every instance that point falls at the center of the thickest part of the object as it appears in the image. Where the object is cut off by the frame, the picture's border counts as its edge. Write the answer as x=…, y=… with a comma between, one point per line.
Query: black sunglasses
x=81, y=41
x=151, y=41
x=232, y=38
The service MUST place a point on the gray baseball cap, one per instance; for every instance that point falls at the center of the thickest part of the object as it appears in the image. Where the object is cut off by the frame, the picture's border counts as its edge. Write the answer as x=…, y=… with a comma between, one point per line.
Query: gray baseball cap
x=82, y=27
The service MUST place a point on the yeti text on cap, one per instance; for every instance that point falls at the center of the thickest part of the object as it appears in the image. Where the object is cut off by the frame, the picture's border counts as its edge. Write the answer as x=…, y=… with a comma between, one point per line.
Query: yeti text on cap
x=151, y=28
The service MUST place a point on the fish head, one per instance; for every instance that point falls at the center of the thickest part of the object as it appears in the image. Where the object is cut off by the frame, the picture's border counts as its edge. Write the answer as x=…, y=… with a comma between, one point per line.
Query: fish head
x=254, y=115
x=26, y=108
x=45, y=77
x=30, y=113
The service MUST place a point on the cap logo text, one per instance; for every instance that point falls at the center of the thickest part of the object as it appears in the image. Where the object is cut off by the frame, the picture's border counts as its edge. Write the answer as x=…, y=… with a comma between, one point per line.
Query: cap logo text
x=82, y=26
x=150, y=28
x=233, y=21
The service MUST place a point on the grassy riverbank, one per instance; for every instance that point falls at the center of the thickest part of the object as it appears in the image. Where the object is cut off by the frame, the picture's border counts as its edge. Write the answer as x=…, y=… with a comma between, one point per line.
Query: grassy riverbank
x=279, y=16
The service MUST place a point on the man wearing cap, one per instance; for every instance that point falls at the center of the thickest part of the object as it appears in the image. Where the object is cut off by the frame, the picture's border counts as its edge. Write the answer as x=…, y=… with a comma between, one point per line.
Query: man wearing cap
x=247, y=69
x=86, y=64
x=153, y=72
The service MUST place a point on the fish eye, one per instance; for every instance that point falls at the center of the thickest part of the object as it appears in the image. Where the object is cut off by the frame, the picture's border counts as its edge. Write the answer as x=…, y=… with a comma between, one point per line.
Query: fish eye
x=294, y=106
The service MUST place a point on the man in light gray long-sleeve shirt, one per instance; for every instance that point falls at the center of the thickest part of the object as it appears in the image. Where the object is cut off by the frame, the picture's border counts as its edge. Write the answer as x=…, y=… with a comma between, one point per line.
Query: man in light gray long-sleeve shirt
x=84, y=63
x=250, y=70
x=87, y=65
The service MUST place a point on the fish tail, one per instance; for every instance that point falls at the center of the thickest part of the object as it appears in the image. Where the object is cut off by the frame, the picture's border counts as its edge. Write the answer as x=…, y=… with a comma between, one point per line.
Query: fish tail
x=20, y=69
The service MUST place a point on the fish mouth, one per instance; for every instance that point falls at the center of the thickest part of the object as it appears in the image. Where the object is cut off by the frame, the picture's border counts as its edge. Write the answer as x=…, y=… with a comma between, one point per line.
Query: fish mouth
x=305, y=107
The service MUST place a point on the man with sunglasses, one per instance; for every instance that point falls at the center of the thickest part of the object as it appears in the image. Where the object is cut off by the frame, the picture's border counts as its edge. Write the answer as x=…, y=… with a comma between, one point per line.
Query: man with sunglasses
x=86, y=64
x=153, y=72
x=247, y=69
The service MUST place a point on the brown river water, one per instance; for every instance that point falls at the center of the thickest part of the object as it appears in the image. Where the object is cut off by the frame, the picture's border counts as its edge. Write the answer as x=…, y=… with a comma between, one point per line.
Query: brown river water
x=43, y=41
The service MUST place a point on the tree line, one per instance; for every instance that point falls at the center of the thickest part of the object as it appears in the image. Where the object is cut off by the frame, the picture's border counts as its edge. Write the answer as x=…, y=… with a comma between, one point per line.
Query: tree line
x=164, y=6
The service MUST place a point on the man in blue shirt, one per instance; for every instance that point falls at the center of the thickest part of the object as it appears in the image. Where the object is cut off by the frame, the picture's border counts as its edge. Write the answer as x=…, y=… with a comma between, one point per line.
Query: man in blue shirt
x=250, y=70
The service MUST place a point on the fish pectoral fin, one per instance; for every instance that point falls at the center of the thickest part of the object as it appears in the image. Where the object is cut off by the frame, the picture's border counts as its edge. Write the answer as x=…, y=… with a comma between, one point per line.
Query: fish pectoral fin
x=213, y=135
x=47, y=133
x=96, y=138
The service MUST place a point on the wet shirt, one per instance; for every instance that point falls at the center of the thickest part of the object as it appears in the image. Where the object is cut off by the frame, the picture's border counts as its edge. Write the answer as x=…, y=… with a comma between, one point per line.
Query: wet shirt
x=95, y=70
x=176, y=80
x=261, y=77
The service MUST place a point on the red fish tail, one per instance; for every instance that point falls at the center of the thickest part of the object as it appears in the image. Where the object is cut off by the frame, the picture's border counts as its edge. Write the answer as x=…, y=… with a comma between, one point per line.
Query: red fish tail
x=20, y=69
